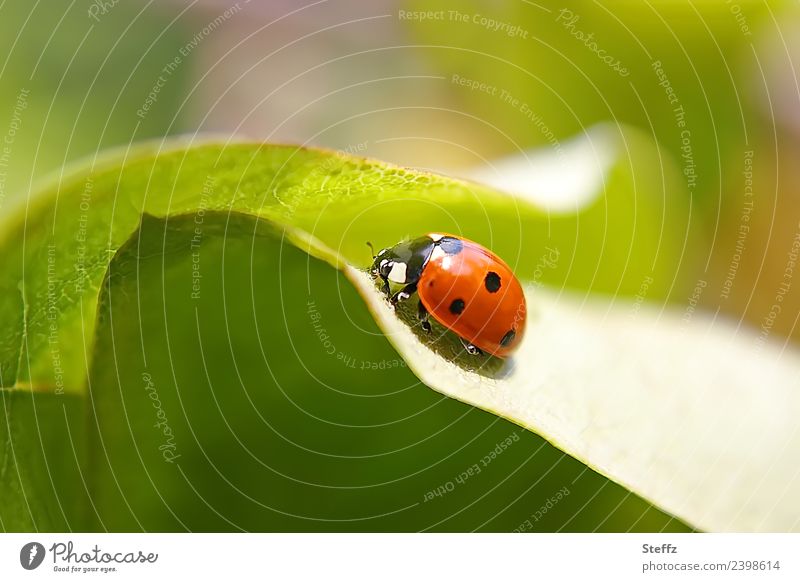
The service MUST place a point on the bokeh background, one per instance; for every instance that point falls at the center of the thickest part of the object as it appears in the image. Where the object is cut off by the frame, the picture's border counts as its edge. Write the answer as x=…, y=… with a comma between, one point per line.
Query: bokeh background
x=711, y=85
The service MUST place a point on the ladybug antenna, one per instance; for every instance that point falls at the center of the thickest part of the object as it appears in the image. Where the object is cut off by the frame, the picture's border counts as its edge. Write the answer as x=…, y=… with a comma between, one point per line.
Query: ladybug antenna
x=371, y=248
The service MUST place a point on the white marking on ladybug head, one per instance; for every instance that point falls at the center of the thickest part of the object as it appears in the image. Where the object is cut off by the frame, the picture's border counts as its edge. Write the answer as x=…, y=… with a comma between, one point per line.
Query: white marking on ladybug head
x=435, y=237
x=398, y=273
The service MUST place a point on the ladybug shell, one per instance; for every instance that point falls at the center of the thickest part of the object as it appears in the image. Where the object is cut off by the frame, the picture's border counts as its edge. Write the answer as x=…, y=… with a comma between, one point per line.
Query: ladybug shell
x=472, y=292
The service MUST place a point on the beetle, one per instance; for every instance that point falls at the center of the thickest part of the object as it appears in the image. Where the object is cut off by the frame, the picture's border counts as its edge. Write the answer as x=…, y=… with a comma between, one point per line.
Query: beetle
x=462, y=285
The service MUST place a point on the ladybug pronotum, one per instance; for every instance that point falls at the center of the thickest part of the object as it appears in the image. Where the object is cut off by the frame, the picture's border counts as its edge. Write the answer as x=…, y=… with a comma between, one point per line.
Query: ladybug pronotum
x=462, y=285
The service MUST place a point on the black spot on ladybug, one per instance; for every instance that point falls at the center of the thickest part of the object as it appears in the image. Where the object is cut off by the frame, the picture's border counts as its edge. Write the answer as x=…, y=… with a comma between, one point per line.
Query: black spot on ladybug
x=508, y=338
x=457, y=306
x=492, y=282
x=451, y=245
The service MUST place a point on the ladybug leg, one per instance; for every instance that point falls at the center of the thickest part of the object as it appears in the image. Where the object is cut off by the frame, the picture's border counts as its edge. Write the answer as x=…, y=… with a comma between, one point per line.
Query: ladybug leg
x=472, y=350
x=422, y=314
x=404, y=293
x=385, y=287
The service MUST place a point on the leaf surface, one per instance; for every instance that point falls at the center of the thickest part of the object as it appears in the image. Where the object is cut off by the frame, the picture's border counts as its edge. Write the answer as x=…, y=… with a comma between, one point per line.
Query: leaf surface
x=139, y=241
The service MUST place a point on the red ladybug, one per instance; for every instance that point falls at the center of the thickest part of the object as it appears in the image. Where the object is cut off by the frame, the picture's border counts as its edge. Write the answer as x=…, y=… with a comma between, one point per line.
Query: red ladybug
x=466, y=288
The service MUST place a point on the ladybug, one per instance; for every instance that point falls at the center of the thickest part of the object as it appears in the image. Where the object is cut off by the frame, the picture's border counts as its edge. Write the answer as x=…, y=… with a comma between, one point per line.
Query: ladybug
x=464, y=286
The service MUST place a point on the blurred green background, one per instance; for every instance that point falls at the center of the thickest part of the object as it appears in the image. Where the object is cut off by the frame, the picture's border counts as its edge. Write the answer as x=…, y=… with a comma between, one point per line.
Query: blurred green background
x=709, y=86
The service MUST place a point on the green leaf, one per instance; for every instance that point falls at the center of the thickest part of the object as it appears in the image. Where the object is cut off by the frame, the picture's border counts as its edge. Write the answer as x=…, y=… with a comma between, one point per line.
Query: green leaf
x=285, y=409
x=164, y=274
x=42, y=452
x=696, y=415
x=339, y=200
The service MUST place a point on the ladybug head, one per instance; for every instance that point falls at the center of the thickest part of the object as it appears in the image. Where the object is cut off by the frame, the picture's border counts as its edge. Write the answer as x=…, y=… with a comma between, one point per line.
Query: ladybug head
x=403, y=263
x=384, y=264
